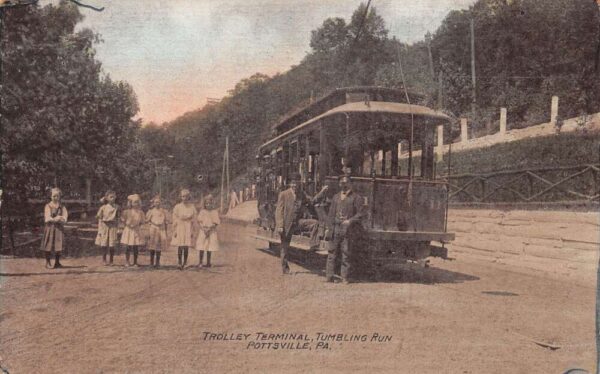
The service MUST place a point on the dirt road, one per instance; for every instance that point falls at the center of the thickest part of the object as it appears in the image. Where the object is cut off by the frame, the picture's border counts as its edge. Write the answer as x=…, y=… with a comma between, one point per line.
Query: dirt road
x=464, y=316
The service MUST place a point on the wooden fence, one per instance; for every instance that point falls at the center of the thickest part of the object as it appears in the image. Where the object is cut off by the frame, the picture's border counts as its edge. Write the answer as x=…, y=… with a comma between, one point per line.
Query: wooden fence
x=542, y=185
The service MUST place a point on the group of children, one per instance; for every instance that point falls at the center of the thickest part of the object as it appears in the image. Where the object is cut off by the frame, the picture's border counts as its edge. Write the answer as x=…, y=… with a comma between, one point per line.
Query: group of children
x=190, y=228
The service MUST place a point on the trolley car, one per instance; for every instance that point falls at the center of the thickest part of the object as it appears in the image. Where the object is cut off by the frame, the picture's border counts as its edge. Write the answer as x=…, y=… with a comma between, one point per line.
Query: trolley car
x=371, y=134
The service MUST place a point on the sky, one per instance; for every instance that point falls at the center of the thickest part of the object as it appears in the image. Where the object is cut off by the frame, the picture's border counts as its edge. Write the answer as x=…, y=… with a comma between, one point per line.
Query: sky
x=178, y=53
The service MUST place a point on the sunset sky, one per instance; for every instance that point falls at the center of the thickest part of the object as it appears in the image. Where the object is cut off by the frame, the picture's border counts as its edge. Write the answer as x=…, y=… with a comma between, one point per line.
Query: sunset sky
x=176, y=53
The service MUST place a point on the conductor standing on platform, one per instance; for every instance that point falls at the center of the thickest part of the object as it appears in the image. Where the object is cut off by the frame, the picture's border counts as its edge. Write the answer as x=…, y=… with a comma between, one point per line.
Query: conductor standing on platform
x=287, y=214
x=345, y=213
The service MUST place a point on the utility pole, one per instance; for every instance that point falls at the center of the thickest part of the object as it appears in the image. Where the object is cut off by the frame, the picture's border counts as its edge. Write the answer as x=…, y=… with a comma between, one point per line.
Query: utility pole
x=440, y=103
x=225, y=176
x=597, y=63
x=428, y=41
x=157, y=174
x=227, y=154
x=473, y=77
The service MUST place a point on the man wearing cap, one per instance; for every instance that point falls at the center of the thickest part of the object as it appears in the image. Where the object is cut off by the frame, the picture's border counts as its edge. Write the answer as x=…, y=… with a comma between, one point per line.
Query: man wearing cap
x=345, y=214
x=290, y=205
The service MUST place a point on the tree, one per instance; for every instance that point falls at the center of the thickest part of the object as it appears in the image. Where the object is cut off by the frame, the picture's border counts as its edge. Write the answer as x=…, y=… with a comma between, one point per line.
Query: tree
x=61, y=117
x=518, y=72
x=526, y=52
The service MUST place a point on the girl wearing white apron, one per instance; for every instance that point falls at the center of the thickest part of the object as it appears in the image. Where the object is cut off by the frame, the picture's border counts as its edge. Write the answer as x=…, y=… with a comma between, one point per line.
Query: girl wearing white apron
x=55, y=216
x=184, y=214
x=133, y=218
x=108, y=225
x=208, y=220
x=157, y=220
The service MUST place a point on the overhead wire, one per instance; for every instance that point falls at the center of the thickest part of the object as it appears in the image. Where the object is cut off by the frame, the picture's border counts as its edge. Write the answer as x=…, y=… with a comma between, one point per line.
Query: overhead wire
x=362, y=23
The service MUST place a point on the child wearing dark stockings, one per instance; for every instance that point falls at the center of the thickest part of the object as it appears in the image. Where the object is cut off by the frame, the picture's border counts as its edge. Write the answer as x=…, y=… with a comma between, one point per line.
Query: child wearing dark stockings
x=107, y=226
x=133, y=218
x=157, y=220
x=55, y=216
x=184, y=214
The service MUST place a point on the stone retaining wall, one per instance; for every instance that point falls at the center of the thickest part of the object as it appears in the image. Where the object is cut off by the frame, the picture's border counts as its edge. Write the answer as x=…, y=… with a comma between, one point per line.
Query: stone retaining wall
x=555, y=241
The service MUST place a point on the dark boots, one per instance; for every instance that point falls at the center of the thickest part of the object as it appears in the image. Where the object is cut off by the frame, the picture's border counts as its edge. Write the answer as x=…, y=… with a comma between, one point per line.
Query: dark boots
x=182, y=252
x=135, y=249
x=135, y=255
x=57, y=264
x=107, y=251
x=127, y=256
x=48, y=264
x=200, y=257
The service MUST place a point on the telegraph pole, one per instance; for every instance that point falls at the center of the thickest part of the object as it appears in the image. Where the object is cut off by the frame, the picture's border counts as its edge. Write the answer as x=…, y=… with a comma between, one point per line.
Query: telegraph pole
x=225, y=175
x=440, y=103
x=597, y=63
x=227, y=155
x=157, y=174
x=473, y=77
x=428, y=41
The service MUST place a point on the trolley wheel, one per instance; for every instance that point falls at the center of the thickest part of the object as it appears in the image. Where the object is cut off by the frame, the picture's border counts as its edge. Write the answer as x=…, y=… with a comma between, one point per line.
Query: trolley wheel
x=273, y=246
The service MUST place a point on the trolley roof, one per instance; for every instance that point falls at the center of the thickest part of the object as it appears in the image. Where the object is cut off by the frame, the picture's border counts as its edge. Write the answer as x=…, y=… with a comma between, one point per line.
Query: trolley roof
x=322, y=104
x=382, y=107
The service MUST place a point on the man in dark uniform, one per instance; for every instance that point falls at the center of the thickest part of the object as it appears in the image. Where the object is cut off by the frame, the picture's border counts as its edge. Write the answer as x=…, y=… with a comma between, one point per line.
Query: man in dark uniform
x=345, y=214
x=289, y=210
x=292, y=204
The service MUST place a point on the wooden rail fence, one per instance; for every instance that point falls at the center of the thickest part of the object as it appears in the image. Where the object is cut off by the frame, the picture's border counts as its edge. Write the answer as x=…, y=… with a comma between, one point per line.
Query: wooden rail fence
x=555, y=184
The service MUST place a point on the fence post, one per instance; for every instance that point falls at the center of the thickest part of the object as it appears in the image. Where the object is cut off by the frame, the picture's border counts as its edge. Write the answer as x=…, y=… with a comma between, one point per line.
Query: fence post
x=440, y=143
x=88, y=192
x=529, y=186
x=502, y=121
x=554, y=110
x=483, y=180
x=11, y=237
x=464, y=135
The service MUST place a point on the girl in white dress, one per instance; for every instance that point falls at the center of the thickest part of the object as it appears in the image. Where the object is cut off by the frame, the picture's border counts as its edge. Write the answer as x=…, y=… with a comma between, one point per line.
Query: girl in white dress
x=133, y=218
x=208, y=220
x=108, y=226
x=157, y=219
x=184, y=214
x=55, y=216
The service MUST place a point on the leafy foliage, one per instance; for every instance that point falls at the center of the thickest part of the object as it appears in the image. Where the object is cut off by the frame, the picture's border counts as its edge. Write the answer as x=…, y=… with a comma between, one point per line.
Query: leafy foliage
x=546, y=52
x=61, y=117
x=526, y=52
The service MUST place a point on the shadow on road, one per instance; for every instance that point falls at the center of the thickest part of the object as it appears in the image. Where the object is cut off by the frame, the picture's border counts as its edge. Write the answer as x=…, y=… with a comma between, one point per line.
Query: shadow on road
x=315, y=264
x=114, y=269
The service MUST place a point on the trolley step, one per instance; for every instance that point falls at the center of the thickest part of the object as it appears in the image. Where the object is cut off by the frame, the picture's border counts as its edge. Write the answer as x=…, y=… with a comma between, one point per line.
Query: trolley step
x=298, y=242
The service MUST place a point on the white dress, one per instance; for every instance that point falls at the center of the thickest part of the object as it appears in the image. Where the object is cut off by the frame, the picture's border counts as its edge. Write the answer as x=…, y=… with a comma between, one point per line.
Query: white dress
x=107, y=225
x=157, y=231
x=132, y=233
x=210, y=242
x=183, y=217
